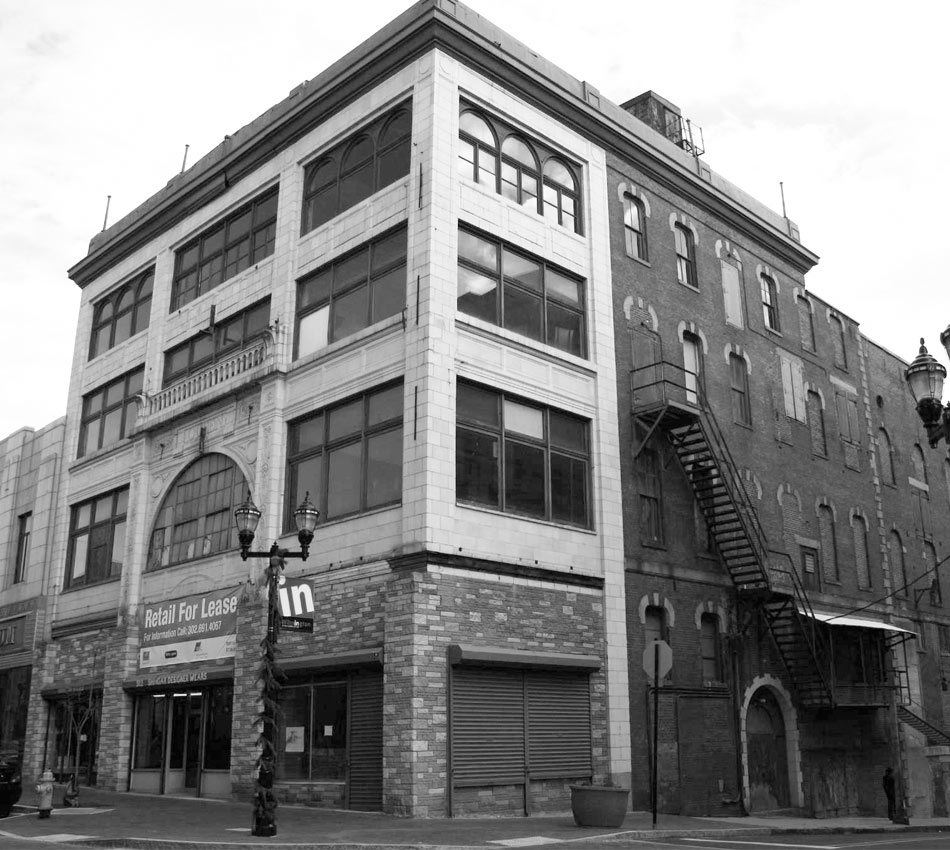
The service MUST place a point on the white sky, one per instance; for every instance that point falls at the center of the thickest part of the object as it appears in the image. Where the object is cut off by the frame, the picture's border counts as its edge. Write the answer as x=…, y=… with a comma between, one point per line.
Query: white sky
x=845, y=102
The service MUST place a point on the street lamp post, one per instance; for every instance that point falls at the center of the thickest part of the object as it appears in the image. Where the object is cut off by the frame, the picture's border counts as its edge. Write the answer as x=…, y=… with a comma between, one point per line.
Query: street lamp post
x=925, y=377
x=247, y=516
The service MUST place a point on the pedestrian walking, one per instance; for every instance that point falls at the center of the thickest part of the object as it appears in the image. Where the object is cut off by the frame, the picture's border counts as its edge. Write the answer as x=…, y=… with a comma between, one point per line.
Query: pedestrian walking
x=890, y=793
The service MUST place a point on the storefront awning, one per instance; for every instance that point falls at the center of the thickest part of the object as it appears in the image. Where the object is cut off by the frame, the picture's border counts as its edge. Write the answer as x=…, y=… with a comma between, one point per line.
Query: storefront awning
x=833, y=618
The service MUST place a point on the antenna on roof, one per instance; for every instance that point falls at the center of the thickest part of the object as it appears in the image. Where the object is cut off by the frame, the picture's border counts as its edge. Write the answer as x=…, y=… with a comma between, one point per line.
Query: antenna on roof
x=105, y=218
x=781, y=188
x=184, y=160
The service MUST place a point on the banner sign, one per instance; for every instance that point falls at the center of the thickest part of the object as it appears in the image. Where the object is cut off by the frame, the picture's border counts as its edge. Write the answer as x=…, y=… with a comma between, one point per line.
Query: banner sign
x=193, y=628
x=296, y=604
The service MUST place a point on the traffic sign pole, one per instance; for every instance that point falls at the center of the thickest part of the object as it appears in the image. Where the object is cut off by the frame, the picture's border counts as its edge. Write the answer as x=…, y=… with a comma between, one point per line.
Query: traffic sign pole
x=656, y=725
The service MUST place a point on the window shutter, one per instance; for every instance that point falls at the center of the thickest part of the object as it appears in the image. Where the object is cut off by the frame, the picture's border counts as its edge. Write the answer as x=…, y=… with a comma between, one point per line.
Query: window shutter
x=787, y=387
x=365, y=775
x=853, y=421
x=798, y=391
x=731, y=293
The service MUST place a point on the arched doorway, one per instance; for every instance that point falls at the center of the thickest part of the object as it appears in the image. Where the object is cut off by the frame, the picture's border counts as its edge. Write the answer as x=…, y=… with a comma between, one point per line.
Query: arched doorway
x=768, y=760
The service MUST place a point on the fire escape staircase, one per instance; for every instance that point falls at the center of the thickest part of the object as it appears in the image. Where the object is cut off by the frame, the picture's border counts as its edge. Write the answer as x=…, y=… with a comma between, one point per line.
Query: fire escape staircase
x=935, y=737
x=700, y=447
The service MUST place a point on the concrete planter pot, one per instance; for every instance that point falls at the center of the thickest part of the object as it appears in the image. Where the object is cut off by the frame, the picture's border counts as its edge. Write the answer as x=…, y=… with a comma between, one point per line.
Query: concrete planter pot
x=599, y=805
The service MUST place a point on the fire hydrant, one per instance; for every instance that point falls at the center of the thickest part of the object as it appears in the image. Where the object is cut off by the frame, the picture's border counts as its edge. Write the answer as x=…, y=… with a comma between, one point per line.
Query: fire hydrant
x=44, y=788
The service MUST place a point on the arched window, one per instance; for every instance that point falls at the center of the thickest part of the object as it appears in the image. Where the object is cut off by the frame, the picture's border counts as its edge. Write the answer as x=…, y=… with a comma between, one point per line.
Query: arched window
x=895, y=549
x=654, y=624
x=769, y=302
x=357, y=167
x=739, y=378
x=194, y=520
x=685, y=254
x=560, y=194
x=806, y=325
x=859, y=530
x=837, y=339
x=919, y=464
x=122, y=314
x=478, y=153
x=634, y=227
x=930, y=562
x=709, y=648
x=692, y=366
x=829, y=546
x=816, y=424
x=519, y=173
x=885, y=457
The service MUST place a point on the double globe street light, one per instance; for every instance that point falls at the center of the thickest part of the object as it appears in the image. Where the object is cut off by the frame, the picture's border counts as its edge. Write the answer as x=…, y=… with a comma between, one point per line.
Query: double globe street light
x=247, y=516
x=925, y=376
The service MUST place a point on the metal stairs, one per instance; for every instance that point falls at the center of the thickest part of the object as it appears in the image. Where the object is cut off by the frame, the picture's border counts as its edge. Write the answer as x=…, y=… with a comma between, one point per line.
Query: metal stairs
x=733, y=524
x=935, y=737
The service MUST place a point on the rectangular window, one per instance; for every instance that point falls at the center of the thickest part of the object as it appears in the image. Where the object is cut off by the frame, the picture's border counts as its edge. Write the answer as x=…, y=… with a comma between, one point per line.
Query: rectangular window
x=685, y=255
x=692, y=366
x=732, y=294
x=353, y=292
x=25, y=528
x=793, y=386
x=806, y=325
x=838, y=341
x=651, y=497
x=97, y=539
x=521, y=292
x=739, y=374
x=861, y=562
x=521, y=458
x=217, y=342
x=242, y=239
x=108, y=413
x=312, y=739
x=769, y=302
x=349, y=456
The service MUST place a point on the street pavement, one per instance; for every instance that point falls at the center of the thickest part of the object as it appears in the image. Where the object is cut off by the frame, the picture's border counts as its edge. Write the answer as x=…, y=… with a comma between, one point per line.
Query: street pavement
x=110, y=819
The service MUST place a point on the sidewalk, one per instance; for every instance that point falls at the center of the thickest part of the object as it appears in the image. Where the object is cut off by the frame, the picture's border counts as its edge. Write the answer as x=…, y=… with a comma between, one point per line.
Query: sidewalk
x=167, y=823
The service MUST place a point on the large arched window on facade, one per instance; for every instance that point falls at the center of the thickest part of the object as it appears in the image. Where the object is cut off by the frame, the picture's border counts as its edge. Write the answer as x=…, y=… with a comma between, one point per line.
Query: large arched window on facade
x=194, y=520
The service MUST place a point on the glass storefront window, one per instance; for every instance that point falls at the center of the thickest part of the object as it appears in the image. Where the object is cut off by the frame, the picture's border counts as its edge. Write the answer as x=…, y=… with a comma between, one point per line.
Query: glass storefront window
x=149, y=728
x=312, y=736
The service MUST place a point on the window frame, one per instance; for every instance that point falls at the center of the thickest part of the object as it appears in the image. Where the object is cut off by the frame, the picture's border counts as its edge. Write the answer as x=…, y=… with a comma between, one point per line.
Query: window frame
x=684, y=244
x=815, y=414
x=126, y=406
x=769, y=293
x=506, y=285
x=363, y=437
x=349, y=288
x=210, y=249
x=806, y=321
x=494, y=427
x=849, y=421
x=337, y=156
x=859, y=535
x=118, y=516
x=138, y=309
x=839, y=338
x=650, y=498
x=793, y=387
x=24, y=530
x=710, y=653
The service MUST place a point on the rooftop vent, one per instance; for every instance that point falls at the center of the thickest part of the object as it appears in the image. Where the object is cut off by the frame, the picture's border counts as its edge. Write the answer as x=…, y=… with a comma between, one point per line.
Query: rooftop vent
x=666, y=118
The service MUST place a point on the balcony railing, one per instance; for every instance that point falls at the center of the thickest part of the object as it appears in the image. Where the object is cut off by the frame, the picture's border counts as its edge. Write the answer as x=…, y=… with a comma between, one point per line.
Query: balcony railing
x=217, y=380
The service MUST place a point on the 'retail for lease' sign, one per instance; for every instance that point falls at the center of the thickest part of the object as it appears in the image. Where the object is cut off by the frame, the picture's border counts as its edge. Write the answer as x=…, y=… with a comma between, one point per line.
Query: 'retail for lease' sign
x=192, y=628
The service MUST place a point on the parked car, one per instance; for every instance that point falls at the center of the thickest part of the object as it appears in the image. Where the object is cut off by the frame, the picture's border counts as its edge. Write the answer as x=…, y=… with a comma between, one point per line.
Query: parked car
x=11, y=785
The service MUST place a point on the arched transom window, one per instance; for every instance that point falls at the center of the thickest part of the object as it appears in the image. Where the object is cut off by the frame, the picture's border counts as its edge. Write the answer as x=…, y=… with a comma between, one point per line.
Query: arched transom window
x=194, y=520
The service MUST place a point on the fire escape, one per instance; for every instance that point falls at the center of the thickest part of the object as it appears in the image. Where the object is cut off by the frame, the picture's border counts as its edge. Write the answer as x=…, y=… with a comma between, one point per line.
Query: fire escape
x=668, y=401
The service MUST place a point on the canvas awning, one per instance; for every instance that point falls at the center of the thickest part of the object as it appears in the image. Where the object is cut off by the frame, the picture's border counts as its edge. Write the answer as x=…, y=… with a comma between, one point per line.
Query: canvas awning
x=833, y=618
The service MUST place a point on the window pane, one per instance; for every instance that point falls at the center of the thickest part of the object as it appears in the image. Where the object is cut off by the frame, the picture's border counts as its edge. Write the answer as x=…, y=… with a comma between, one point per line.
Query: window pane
x=477, y=295
x=91, y=441
x=558, y=172
x=479, y=251
x=393, y=164
x=526, y=272
x=523, y=312
x=385, y=405
x=313, y=332
x=321, y=207
x=568, y=490
x=308, y=434
x=568, y=432
x=351, y=271
x=384, y=468
x=176, y=360
x=118, y=549
x=476, y=467
x=473, y=125
x=123, y=328
x=356, y=186
x=477, y=405
x=149, y=731
x=345, y=420
x=350, y=313
x=344, y=480
x=80, y=554
x=112, y=427
x=524, y=478
x=518, y=151
x=564, y=288
x=328, y=738
x=388, y=250
x=566, y=330
x=293, y=738
x=314, y=290
x=389, y=294
x=521, y=419
x=308, y=475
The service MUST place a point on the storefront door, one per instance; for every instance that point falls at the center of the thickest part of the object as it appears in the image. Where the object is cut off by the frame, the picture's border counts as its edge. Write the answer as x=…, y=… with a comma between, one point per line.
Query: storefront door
x=182, y=742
